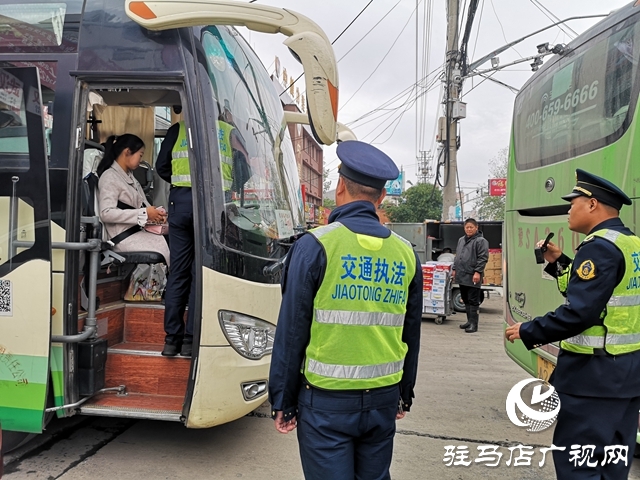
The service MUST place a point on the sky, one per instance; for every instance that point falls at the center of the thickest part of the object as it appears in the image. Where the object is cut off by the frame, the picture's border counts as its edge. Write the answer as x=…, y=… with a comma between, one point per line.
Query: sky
x=384, y=63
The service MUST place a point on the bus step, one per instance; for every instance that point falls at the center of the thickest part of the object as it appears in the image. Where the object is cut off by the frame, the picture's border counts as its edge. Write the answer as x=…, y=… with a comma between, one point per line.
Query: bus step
x=142, y=368
x=135, y=405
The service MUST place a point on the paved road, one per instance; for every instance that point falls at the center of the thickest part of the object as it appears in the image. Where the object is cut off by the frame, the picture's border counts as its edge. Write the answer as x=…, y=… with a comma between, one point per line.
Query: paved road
x=463, y=384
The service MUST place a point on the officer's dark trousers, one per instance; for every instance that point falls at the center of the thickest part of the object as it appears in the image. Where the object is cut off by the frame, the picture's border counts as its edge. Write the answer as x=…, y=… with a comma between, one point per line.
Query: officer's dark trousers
x=182, y=273
x=594, y=421
x=347, y=435
x=470, y=295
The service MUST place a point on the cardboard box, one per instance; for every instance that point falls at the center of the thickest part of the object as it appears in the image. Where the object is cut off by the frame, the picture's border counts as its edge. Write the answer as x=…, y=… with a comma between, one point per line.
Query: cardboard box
x=426, y=296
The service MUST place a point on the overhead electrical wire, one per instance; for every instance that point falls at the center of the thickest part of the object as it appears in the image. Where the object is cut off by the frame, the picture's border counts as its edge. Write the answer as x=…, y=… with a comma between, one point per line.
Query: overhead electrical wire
x=502, y=28
x=370, y=30
x=334, y=41
x=380, y=63
x=352, y=21
x=550, y=15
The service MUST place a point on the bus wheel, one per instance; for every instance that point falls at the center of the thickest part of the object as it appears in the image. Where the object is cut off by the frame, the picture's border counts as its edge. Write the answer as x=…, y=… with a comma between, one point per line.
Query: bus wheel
x=458, y=304
x=13, y=440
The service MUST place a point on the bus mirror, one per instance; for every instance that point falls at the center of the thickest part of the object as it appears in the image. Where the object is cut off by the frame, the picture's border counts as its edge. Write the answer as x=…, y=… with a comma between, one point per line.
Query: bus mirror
x=343, y=133
x=306, y=40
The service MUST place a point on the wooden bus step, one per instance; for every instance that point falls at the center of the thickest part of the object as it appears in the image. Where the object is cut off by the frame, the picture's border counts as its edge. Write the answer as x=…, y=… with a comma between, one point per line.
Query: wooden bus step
x=142, y=369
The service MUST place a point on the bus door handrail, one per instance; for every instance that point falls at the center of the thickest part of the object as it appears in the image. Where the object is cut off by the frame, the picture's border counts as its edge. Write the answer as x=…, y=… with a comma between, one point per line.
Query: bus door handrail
x=94, y=247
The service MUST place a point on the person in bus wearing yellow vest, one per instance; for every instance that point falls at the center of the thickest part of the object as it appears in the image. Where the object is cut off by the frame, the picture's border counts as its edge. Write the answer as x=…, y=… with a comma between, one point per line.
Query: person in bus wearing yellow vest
x=345, y=354
x=233, y=154
x=172, y=166
x=597, y=376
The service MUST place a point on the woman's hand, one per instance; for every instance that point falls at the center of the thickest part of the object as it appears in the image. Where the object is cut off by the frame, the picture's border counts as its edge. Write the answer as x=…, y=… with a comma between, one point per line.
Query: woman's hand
x=156, y=215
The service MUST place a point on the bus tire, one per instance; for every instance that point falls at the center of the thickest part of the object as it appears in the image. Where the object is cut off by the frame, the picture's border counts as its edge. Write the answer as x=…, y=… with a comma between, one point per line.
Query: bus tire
x=458, y=304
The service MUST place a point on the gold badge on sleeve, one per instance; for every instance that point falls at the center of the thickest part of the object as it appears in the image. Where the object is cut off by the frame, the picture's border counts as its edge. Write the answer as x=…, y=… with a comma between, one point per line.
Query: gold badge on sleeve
x=586, y=270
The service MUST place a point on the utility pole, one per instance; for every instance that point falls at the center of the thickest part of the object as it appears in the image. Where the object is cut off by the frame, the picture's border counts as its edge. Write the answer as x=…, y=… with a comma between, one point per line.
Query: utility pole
x=424, y=166
x=449, y=124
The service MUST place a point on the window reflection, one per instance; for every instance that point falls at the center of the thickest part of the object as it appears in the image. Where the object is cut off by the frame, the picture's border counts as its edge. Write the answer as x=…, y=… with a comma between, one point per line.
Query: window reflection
x=259, y=175
x=580, y=103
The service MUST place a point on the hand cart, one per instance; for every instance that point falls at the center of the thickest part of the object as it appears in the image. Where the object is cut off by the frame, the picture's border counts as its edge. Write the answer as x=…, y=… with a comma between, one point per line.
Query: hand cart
x=436, y=290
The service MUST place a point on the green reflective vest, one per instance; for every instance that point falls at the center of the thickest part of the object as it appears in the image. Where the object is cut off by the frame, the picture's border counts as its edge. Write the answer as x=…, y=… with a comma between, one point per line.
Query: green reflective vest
x=620, y=332
x=180, y=172
x=359, y=310
x=226, y=153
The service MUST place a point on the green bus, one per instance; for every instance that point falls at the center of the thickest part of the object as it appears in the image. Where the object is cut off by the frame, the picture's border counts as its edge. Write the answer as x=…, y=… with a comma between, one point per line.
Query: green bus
x=577, y=111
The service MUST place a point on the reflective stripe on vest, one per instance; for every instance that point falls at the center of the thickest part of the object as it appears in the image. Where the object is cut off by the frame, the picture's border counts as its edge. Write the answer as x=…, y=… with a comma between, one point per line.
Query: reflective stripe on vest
x=359, y=311
x=620, y=331
x=359, y=318
x=180, y=170
x=355, y=371
x=226, y=153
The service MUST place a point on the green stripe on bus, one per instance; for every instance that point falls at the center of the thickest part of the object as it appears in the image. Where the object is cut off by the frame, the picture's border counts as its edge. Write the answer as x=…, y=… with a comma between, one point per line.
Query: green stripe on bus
x=57, y=356
x=57, y=375
x=21, y=419
x=19, y=395
x=23, y=368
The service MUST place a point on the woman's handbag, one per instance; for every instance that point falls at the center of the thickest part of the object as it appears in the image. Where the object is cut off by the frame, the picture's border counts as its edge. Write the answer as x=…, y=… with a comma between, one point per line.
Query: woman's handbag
x=157, y=228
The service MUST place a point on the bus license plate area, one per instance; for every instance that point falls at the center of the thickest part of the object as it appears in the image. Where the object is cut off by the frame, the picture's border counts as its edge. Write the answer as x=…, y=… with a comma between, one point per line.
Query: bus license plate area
x=545, y=368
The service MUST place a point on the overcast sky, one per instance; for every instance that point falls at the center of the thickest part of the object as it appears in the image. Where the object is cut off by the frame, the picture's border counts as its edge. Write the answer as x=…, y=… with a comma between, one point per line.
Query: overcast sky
x=489, y=106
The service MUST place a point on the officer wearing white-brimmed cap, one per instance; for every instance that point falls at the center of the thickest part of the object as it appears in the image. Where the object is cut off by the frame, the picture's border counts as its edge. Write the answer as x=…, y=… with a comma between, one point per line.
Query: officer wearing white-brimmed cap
x=598, y=326
x=346, y=349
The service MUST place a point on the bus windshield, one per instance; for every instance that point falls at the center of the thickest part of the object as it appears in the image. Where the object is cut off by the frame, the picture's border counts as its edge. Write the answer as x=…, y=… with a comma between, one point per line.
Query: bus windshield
x=581, y=103
x=257, y=164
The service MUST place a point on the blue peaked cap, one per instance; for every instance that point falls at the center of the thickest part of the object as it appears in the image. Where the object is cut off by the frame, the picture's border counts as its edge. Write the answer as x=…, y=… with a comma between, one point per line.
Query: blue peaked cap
x=365, y=164
x=591, y=186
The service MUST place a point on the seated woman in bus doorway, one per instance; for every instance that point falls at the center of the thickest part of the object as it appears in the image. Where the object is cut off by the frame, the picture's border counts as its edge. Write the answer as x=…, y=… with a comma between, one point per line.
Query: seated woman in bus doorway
x=123, y=207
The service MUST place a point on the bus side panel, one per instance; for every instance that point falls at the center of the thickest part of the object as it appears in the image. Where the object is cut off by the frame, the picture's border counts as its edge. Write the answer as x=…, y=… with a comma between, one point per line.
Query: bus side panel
x=24, y=351
x=217, y=395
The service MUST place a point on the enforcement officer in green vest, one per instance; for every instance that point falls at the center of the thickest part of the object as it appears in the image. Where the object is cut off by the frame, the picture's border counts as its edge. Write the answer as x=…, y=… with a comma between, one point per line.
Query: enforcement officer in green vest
x=597, y=376
x=346, y=348
x=172, y=166
x=233, y=154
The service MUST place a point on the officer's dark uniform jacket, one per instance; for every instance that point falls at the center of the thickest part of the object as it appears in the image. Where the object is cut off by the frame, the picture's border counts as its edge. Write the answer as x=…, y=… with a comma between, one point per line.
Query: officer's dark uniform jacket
x=601, y=374
x=303, y=273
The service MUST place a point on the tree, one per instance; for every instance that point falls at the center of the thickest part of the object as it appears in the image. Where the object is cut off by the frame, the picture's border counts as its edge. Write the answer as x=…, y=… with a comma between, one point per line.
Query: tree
x=492, y=208
x=326, y=181
x=328, y=203
x=419, y=203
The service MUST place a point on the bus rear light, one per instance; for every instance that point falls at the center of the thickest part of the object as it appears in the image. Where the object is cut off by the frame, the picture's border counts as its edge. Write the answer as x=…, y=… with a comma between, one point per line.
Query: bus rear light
x=253, y=390
x=249, y=336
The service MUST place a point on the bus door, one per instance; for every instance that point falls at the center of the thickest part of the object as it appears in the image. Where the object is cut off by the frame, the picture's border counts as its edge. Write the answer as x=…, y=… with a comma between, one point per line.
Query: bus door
x=25, y=253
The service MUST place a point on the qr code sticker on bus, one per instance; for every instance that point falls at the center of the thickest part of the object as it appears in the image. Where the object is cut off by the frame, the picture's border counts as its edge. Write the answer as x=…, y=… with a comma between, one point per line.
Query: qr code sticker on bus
x=6, y=298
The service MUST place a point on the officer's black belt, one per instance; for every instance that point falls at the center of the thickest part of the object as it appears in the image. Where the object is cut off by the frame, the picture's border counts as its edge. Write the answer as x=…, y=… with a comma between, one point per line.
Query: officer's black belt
x=601, y=352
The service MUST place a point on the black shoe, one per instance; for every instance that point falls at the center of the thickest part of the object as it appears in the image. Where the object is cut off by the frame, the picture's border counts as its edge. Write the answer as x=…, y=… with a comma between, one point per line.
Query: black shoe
x=473, y=328
x=170, y=350
x=465, y=325
x=187, y=348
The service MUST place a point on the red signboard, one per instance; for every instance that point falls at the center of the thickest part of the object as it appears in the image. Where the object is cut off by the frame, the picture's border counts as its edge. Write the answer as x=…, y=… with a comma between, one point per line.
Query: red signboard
x=497, y=187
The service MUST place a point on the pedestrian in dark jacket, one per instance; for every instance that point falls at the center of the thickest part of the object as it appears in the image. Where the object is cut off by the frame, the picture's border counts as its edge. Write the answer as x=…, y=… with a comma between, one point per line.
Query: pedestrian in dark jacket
x=472, y=254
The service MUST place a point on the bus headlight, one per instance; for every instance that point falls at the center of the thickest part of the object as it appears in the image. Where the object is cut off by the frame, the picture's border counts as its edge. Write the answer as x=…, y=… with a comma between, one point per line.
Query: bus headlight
x=249, y=336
